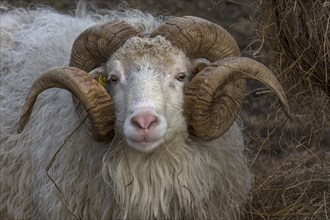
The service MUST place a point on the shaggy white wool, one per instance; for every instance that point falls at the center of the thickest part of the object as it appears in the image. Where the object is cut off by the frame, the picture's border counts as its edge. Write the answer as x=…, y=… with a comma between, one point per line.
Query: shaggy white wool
x=184, y=178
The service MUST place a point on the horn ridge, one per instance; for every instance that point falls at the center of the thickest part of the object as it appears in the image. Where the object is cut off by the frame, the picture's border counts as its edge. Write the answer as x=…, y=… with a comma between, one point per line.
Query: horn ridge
x=96, y=44
x=186, y=32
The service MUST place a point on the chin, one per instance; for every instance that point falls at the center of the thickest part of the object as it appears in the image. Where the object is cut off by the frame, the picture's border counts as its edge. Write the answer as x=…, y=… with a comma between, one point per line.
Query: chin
x=144, y=146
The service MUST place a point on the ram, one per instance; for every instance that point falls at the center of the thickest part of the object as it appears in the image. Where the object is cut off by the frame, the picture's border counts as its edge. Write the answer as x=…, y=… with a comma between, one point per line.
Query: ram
x=148, y=129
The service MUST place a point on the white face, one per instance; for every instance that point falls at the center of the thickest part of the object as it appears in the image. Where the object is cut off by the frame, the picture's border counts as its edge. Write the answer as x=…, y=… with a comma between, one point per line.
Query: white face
x=148, y=95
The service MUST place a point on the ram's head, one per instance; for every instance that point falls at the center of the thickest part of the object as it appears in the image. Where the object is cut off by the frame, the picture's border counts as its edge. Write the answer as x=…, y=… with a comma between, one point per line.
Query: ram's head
x=190, y=58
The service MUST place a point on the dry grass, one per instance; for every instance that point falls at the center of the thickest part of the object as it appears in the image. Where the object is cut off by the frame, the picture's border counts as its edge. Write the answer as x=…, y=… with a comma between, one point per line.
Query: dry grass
x=295, y=187
x=291, y=158
x=295, y=34
x=292, y=179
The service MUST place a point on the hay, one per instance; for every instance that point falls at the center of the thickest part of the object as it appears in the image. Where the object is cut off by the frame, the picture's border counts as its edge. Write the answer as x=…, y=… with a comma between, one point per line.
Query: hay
x=295, y=187
x=292, y=181
x=291, y=159
x=295, y=36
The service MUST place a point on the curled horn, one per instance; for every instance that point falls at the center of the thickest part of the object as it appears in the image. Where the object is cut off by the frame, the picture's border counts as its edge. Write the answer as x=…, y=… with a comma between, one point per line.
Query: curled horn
x=95, y=100
x=91, y=48
x=214, y=96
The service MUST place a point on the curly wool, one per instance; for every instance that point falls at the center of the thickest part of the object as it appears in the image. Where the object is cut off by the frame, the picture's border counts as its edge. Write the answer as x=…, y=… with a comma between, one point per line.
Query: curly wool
x=183, y=179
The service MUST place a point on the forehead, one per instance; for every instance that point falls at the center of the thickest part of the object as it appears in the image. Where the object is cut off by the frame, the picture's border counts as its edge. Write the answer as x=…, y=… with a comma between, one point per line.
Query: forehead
x=153, y=52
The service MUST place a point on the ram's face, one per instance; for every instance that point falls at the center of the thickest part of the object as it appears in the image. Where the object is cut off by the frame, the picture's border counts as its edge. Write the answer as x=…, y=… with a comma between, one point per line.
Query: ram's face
x=147, y=84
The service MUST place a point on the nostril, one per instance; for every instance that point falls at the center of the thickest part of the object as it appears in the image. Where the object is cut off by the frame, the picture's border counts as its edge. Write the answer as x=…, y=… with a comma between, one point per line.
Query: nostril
x=145, y=121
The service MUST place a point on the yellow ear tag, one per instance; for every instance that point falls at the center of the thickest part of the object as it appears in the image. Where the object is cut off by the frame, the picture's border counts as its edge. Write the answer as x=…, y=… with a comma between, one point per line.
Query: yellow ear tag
x=103, y=80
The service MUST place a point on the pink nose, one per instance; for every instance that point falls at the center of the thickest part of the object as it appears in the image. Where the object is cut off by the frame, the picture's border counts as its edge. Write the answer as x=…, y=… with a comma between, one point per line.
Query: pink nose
x=145, y=121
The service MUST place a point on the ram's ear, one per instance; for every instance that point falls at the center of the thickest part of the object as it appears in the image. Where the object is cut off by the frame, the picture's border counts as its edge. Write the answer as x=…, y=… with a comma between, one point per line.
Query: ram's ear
x=198, y=64
x=97, y=71
x=100, y=75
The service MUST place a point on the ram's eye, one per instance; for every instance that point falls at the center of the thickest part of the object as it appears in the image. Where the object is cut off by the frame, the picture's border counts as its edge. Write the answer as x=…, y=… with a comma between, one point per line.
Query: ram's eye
x=181, y=76
x=114, y=79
